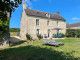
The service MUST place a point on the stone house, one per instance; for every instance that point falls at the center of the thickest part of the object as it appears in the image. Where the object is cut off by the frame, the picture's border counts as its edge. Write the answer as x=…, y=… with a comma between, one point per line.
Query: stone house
x=73, y=26
x=36, y=22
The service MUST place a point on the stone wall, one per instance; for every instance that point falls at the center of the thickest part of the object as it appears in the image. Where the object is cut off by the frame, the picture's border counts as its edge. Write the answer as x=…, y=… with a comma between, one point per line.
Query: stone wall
x=28, y=25
x=44, y=27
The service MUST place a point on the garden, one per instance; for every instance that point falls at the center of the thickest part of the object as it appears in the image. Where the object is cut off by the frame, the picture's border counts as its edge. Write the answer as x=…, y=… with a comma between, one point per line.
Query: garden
x=35, y=50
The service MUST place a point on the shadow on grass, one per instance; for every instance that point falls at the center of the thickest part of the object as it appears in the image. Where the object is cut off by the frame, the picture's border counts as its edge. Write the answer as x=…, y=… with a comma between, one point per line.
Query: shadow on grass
x=33, y=53
x=15, y=41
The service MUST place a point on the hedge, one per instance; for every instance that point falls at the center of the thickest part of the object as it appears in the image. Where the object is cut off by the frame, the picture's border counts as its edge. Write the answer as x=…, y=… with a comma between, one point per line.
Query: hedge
x=73, y=33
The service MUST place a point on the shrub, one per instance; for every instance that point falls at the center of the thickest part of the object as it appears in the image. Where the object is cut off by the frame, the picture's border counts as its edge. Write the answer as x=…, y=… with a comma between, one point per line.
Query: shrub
x=39, y=36
x=73, y=33
x=1, y=36
x=59, y=35
x=28, y=37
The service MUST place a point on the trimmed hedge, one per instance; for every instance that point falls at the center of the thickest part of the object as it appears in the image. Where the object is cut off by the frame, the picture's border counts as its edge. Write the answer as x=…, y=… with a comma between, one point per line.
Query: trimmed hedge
x=73, y=33
x=39, y=36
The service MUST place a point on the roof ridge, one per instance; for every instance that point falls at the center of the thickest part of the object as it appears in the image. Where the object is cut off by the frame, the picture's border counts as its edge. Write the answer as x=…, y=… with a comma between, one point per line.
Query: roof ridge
x=43, y=14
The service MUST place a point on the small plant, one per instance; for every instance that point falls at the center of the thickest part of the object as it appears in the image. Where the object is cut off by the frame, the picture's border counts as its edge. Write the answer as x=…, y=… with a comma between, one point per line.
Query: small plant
x=39, y=36
x=28, y=37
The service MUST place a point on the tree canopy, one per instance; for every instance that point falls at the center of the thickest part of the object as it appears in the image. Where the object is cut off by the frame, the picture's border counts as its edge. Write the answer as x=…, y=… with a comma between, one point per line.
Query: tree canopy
x=6, y=8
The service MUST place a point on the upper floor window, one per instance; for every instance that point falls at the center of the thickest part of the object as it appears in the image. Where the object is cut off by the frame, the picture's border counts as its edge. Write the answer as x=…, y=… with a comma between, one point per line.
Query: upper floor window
x=57, y=22
x=37, y=21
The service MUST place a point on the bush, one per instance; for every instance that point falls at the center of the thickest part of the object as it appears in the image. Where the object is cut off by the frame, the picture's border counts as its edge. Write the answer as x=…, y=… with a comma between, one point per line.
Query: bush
x=28, y=37
x=73, y=33
x=39, y=36
x=59, y=35
x=14, y=30
x=1, y=36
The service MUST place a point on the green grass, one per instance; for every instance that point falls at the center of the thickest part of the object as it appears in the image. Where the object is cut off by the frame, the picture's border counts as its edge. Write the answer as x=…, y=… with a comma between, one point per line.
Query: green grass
x=35, y=50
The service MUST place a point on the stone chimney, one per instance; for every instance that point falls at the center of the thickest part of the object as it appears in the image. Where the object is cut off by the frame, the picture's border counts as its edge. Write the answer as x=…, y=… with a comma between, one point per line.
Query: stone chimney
x=23, y=24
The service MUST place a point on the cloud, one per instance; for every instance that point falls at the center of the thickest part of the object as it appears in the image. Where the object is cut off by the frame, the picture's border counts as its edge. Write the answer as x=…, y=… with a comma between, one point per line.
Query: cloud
x=75, y=18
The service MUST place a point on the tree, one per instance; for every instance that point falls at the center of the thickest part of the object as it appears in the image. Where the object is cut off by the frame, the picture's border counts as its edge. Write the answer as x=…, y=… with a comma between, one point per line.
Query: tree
x=6, y=9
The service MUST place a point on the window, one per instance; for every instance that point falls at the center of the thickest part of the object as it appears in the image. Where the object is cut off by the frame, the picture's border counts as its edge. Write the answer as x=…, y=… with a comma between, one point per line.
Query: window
x=37, y=22
x=48, y=22
x=48, y=32
x=57, y=22
x=38, y=31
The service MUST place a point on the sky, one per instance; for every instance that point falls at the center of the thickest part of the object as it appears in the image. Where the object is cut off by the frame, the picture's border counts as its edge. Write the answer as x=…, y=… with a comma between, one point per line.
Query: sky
x=69, y=9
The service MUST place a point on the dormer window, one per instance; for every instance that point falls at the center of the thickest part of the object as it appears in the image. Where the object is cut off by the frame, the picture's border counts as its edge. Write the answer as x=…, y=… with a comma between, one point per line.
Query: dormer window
x=37, y=12
x=48, y=16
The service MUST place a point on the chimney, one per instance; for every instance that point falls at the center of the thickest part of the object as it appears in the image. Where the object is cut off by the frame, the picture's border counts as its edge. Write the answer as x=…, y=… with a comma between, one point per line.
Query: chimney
x=24, y=4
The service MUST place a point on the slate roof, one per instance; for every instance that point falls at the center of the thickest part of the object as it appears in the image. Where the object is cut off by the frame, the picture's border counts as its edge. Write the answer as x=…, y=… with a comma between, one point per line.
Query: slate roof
x=43, y=14
x=73, y=25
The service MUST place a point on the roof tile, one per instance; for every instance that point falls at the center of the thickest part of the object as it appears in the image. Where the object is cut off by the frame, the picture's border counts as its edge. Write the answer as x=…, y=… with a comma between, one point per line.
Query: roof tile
x=43, y=14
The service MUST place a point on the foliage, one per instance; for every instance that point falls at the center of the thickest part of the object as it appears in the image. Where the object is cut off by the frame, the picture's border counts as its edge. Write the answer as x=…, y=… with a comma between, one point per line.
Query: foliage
x=59, y=35
x=6, y=8
x=8, y=5
x=28, y=37
x=1, y=36
x=14, y=29
x=73, y=33
x=39, y=36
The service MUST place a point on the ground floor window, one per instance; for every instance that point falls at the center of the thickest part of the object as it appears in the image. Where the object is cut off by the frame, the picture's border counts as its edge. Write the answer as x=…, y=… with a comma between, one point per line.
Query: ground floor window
x=48, y=32
x=37, y=31
x=37, y=22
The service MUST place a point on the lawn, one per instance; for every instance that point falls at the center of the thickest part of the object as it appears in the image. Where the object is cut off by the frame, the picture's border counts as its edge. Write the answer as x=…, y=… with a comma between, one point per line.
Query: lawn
x=35, y=50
